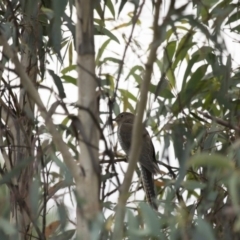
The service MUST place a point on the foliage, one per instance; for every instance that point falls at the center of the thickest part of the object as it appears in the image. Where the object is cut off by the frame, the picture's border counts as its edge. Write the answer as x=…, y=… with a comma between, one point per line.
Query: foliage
x=193, y=112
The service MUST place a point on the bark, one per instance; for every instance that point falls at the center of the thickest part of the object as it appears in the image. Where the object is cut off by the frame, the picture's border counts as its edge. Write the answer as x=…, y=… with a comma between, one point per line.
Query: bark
x=88, y=206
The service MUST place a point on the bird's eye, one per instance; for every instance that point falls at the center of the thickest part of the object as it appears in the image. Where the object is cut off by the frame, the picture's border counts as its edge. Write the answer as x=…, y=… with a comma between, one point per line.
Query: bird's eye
x=121, y=116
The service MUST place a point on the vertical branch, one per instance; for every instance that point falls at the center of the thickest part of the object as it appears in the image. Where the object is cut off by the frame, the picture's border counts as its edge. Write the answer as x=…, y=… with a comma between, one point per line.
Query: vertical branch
x=24, y=125
x=137, y=128
x=89, y=185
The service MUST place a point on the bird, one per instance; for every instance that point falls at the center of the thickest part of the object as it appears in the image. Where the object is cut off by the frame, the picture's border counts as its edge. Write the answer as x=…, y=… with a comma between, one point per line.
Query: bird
x=147, y=159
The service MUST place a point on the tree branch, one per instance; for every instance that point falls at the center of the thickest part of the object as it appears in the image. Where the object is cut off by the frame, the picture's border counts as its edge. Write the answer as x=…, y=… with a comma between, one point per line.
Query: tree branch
x=137, y=128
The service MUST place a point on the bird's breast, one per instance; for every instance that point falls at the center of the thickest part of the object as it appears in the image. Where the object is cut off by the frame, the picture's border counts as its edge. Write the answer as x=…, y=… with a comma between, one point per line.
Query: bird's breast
x=124, y=136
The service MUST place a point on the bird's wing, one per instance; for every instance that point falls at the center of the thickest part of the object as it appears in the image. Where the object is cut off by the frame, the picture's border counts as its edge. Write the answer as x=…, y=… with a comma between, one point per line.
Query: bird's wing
x=148, y=158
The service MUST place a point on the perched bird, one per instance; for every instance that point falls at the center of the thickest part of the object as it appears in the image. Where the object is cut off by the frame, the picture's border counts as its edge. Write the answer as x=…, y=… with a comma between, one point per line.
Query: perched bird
x=147, y=159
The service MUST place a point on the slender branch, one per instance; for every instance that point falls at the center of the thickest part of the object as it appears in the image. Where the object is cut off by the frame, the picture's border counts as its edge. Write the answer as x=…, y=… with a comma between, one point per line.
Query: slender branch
x=115, y=160
x=220, y=121
x=137, y=128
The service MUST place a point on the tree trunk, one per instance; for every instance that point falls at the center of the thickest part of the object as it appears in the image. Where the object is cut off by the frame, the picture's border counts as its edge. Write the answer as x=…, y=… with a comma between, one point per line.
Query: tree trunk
x=88, y=207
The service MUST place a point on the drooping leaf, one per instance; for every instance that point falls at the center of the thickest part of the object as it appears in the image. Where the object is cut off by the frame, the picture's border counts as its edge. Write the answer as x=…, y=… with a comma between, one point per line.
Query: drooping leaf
x=215, y=160
x=101, y=51
x=100, y=30
x=58, y=83
x=122, y=4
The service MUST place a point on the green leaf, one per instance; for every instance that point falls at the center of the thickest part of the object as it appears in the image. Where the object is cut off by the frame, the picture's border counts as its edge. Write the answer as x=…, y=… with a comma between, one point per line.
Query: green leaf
x=65, y=171
x=192, y=185
x=191, y=89
x=233, y=18
x=96, y=226
x=70, y=25
x=69, y=79
x=190, y=64
x=213, y=160
x=108, y=81
x=203, y=52
x=133, y=225
x=128, y=94
x=223, y=5
x=209, y=3
x=167, y=62
x=163, y=89
x=30, y=8
x=14, y=173
x=58, y=83
x=122, y=25
x=122, y=4
x=183, y=47
x=55, y=37
x=170, y=50
x=99, y=30
x=211, y=138
x=173, y=30
x=233, y=186
x=133, y=70
x=6, y=30
x=99, y=10
x=7, y=227
x=112, y=59
x=150, y=219
x=171, y=77
x=111, y=7
x=48, y=12
x=204, y=230
x=236, y=29
x=101, y=50
x=68, y=69
x=68, y=234
x=63, y=216
x=193, y=85
x=70, y=53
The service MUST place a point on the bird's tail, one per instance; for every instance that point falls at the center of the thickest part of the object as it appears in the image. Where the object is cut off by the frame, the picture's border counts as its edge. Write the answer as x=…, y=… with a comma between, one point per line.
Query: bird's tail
x=148, y=185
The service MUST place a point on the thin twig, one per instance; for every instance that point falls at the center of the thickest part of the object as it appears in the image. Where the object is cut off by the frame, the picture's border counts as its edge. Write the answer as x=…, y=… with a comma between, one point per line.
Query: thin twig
x=220, y=121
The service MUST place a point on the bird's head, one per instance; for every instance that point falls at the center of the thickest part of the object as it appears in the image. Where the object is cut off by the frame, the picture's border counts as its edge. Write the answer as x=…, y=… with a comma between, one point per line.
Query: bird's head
x=125, y=117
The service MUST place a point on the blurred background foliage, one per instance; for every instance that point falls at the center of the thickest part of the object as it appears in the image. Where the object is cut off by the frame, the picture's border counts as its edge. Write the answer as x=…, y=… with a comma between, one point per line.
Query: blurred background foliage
x=192, y=114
